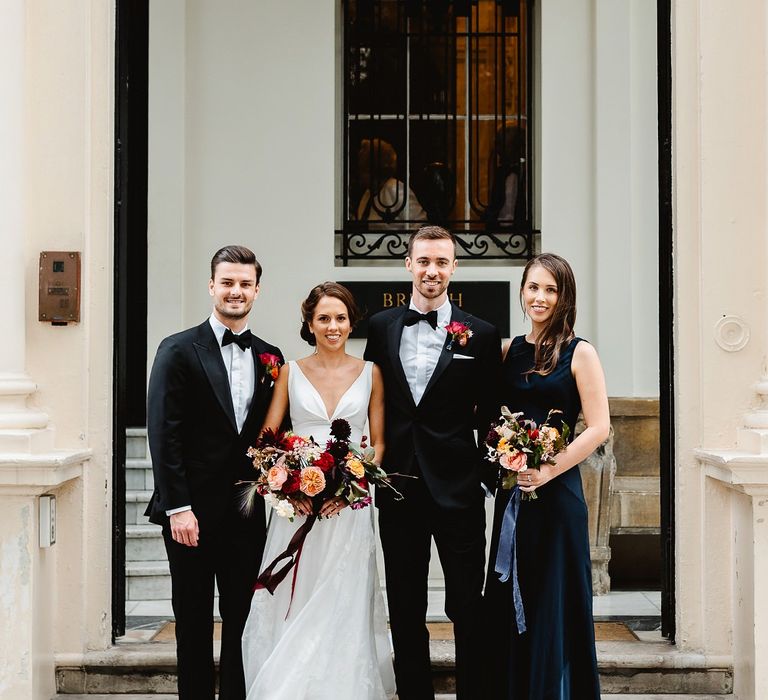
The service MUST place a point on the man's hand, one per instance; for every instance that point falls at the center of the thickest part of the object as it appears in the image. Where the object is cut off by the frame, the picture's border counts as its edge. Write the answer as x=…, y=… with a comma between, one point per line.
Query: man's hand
x=184, y=528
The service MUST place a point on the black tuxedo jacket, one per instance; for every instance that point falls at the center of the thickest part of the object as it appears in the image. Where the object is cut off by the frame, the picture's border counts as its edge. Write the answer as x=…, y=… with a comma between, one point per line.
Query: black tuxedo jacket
x=435, y=438
x=197, y=452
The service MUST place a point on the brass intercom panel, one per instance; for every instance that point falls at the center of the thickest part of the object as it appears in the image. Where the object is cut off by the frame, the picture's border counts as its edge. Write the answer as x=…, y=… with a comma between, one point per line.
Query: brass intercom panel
x=59, y=287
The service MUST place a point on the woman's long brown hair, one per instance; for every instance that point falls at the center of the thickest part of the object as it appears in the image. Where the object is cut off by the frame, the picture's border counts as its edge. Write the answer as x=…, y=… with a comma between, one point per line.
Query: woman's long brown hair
x=559, y=331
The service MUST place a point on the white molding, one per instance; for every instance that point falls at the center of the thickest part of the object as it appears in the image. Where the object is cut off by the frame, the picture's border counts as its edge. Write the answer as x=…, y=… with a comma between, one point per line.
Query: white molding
x=22, y=474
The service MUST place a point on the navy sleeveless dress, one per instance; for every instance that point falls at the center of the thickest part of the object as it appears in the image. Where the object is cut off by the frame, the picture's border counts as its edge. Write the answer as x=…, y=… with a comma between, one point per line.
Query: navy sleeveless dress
x=555, y=658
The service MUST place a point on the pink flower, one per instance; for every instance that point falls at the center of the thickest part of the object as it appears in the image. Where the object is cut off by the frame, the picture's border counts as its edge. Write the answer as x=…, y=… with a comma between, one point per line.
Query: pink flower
x=514, y=461
x=459, y=333
x=362, y=503
x=276, y=477
x=312, y=481
x=271, y=364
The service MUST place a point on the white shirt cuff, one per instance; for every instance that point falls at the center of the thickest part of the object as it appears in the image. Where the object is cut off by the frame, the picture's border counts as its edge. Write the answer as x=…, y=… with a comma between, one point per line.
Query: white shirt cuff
x=178, y=510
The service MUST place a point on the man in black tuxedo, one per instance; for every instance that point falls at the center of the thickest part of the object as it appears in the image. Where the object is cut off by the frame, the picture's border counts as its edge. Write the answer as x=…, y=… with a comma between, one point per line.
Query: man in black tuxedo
x=209, y=391
x=439, y=387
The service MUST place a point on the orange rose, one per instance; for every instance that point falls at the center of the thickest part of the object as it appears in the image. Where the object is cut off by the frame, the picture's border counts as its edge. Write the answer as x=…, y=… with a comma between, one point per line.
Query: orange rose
x=312, y=481
x=356, y=467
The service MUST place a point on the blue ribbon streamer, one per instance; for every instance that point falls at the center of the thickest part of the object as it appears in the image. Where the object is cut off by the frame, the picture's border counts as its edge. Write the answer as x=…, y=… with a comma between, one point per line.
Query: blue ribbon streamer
x=506, y=556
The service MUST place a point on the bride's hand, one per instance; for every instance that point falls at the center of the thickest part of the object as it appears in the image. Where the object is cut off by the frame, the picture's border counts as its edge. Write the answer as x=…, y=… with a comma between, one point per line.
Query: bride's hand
x=301, y=504
x=332, y=506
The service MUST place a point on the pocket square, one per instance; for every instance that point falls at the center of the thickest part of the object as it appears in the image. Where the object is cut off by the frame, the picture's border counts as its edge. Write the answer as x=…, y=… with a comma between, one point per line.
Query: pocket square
x=457, y=356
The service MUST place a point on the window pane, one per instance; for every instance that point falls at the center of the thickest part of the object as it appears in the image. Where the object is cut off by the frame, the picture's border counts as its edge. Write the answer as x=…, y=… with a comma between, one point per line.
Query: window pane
x=435, y=121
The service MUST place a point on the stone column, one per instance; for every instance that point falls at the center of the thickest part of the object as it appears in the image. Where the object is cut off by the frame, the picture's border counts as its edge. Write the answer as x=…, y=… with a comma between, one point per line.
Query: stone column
x=29, y=466
x=18, y=423
x=736, y=483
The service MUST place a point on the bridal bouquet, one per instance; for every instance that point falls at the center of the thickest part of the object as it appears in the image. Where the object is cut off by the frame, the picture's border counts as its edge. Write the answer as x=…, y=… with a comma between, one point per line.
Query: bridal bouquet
x=515, y=444
x=290, y=465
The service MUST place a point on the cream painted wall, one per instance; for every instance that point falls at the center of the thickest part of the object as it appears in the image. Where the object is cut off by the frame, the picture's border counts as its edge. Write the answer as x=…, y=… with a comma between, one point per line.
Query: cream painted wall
x=599, y=185
x=719, y=117
x=70, y=206
x=243, y=129
x=56, y=438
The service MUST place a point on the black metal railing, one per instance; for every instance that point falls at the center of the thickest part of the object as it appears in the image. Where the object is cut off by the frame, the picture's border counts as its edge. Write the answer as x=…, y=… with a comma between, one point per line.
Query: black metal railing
x=437, y=116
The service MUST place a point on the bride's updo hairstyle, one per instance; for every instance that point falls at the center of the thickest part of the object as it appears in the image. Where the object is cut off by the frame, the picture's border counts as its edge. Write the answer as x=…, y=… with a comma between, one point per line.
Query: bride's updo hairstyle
x=326, y=289
x=559, y=331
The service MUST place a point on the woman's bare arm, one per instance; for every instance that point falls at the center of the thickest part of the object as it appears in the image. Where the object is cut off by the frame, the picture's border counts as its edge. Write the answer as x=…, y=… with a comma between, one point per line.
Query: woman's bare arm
x=590, y=381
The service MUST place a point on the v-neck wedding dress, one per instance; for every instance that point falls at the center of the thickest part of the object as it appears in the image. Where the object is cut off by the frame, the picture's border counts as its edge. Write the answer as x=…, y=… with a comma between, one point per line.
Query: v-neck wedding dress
x=330, y=641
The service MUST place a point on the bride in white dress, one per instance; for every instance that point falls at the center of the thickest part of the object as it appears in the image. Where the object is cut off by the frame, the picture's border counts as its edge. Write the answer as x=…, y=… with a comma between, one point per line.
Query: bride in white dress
x=323, y=634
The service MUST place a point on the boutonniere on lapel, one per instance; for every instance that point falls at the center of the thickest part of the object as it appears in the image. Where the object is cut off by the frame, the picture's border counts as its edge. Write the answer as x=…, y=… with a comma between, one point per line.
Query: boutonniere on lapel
x=271, y=365
x=459, y=333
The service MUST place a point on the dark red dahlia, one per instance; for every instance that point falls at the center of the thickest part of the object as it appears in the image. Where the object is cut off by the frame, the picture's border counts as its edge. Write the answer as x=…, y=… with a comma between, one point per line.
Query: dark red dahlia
x=492, y=439
x=325, y=461
x=270, y=438
x=338, y=449
x=340, y=429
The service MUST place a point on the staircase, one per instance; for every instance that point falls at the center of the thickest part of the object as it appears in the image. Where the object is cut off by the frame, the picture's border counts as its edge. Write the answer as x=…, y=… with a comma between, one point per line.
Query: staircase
x=147, y=578
x=628, y=671
x=147, y=671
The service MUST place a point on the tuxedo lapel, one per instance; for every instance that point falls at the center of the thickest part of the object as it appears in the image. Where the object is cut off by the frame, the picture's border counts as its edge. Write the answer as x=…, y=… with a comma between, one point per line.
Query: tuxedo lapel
x=394, y=333
x=209, y=354
x=260, y=393
x=445, y=355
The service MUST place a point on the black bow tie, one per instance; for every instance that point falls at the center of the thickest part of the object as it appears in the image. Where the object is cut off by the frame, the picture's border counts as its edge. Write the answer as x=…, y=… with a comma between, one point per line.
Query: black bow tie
x=243, y=340
x=413, y=317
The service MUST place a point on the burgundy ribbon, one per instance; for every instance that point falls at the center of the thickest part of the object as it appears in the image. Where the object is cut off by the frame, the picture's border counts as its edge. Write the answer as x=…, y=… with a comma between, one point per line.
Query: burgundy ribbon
x=271, y=579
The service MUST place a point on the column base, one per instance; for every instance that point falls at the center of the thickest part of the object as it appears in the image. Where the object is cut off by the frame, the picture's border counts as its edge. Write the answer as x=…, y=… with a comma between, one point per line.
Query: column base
x=26, y=441
x=746, y=571
x=15, y=389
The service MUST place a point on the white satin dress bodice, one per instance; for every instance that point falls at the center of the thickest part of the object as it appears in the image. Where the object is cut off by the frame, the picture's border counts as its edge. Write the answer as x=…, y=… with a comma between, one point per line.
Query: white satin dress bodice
x=330, y=642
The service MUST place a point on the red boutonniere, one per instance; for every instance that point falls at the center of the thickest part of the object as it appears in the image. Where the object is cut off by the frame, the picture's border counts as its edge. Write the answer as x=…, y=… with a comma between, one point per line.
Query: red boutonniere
x=459, y=333
x=271, y=364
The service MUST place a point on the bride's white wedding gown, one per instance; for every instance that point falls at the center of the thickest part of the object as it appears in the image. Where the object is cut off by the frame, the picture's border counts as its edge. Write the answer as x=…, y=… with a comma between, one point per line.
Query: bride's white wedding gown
x=332, y=644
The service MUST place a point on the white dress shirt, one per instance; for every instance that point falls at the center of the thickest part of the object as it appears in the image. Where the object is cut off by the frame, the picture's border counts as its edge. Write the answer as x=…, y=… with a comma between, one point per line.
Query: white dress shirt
x=420, y=349
x=241, y=373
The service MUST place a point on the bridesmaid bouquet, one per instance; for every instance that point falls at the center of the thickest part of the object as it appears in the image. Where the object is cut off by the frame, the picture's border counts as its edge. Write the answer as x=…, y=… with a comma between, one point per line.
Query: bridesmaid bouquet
x=515, y=444
x=289, y=465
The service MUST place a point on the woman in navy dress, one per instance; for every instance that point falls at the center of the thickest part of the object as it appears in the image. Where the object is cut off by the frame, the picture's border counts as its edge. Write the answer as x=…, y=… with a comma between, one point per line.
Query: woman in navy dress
x=549, y=368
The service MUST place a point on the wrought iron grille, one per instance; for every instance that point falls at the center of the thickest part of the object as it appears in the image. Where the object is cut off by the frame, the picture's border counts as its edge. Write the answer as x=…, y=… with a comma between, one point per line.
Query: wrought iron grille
x=437, y=126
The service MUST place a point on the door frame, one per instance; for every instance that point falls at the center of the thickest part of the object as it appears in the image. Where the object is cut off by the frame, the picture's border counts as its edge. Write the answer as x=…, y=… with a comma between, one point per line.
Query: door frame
x=130, y=245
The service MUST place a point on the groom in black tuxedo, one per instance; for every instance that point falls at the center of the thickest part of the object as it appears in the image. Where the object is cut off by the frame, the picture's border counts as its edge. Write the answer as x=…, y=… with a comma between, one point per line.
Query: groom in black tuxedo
x=439, y=387
x=209, y=391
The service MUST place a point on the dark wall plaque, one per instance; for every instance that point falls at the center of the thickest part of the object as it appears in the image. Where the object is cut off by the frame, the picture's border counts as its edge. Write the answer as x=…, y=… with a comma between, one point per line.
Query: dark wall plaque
x=486, y=300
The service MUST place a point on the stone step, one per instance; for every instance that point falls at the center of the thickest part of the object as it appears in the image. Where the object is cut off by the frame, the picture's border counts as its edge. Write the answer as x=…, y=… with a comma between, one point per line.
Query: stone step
x=147, y=580
x=138, y=475
x=144, y=543
x=135, y=505
x=675, y=696
x=136, y=443
x=164, y=696
x=639, y=670
x=635, y=505
x=440, y=696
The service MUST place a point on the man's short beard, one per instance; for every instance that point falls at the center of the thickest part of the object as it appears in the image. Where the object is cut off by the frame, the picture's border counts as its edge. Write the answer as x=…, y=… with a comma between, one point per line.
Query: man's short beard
x=235, y=316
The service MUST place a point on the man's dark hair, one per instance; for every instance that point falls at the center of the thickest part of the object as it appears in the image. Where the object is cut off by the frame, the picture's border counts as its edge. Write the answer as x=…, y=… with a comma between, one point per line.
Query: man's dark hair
x=431, y=233
x=235, y=254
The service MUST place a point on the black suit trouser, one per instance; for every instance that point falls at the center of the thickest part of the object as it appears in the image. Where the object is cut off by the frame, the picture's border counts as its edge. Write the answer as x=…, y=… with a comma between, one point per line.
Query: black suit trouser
x=406, y=529
x=231, y=557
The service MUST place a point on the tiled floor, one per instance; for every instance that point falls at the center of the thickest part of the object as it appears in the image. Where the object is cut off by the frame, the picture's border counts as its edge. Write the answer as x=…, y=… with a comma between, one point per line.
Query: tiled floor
x=627, y=604
x=617, y=604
